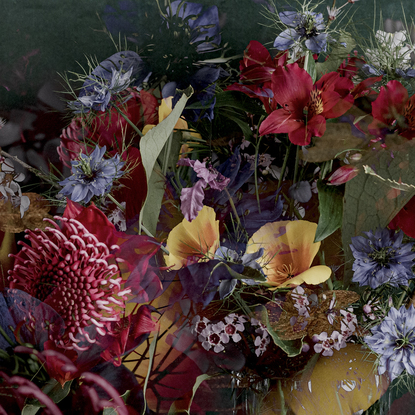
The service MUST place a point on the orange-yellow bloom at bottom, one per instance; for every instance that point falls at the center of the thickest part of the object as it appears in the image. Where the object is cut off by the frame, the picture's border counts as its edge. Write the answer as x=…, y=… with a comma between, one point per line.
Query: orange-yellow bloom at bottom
x=289, y=250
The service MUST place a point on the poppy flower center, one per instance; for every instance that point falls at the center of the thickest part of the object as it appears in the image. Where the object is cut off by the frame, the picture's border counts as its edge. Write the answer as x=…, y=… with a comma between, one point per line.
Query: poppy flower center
x=287, y=271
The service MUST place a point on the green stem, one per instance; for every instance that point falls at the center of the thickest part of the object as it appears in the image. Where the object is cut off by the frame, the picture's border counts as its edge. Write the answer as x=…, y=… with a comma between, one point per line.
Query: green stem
x=111, y=197
x=297, y=154
x=256, y=174
x=284, y=166
x=233, y=206
x=6, y=337
x=402, y=297
x=31, y=169
x=129, y=121
x=148, y=233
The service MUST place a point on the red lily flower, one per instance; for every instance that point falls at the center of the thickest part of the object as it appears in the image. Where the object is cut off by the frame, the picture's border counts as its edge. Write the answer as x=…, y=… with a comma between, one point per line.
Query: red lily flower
x=393, y=111
x=256, y=68
x=304, y=106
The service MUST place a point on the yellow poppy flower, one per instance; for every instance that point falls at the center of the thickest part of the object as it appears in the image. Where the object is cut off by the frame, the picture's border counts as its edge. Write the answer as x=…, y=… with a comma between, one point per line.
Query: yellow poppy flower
x=344, y=383
x=289, y=250
x=194, y=241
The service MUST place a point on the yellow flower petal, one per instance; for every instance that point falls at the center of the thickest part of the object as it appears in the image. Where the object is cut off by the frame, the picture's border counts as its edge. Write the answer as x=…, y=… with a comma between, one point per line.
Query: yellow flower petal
x=314, y=275
x=289, y=248
x=193, y=241
x=344, y=383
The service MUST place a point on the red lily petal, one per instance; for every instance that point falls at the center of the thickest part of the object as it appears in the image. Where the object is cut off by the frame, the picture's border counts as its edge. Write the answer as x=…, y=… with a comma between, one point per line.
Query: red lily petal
x=94, y=220
x=292, y=86
x=315, y=127
x=389, y=104
x=279, y=121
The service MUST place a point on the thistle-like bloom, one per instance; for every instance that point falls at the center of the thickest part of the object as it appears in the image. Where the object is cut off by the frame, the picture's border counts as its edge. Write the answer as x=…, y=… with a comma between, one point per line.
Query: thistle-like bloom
x=394, y=341
x=381, y=258
x=308, y=26
x=92, y=175
x=102, y=91
x=70, y=270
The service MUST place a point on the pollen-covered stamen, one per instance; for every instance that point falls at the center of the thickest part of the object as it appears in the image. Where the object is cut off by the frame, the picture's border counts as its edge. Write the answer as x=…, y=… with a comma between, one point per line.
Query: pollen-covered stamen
x=315, y=104
x=287, y=271
x=74, y=273
x=409, y=115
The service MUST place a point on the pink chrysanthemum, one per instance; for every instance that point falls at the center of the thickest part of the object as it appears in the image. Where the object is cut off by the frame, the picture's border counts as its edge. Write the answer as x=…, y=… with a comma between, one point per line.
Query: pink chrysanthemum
x=74, y=273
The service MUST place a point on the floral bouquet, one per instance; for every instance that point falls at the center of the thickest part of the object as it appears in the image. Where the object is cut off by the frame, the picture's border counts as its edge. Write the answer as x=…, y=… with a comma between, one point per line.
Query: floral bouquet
x=220, y=239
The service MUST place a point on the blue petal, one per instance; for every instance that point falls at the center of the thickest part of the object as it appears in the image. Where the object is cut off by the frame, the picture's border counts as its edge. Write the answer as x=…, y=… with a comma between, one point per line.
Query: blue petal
x=317, y=43
x=286, y=39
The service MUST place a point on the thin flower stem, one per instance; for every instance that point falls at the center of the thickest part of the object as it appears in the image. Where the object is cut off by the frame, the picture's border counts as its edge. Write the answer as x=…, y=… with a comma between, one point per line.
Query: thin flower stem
x=256, y=174
x=31, y=169
x=148, y=233
x=6, y=337
x=232, y=206
x=284, y=166
x=111, y=197
x=401, y=299
x=297, y=154
x=129, y=121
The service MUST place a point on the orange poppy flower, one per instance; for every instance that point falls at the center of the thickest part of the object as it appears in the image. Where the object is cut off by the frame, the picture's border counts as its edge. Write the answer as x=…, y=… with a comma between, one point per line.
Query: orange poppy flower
x=289, y=250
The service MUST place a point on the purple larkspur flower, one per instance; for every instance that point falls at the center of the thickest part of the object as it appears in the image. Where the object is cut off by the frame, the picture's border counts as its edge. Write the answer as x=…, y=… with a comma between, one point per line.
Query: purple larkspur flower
x=382, y=258
x=92, y=175
x=307, y=25
x=394, y=341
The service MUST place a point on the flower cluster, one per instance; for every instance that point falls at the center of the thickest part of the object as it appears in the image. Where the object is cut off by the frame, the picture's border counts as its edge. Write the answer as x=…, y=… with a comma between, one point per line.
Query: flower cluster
x=217, y=335
x=219, y=221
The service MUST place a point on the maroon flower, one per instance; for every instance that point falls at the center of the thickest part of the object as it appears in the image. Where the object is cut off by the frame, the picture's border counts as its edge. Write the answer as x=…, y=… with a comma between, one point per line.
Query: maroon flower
x=393, y=111
x=74, y=270
x=256, y=68
x=304, y=106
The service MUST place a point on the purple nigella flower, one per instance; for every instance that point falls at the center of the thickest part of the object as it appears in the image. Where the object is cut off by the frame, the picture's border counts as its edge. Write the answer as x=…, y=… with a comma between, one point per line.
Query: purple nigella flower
x=381, y=258
x=92, y=175
x=307, y=25
x=394, y=341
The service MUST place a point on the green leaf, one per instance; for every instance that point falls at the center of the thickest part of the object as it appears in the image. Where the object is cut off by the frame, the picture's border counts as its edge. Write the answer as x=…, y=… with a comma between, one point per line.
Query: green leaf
x=199, y=380
x=110, y=411
x=330, y=206
x=151, y=146
x=151, y=210
x=310, y=65
x=291, y=347
x=337, y=55
x=30, y=409
x=239, y=100
x=246, y=130
x=370, y=201
x=55, y=391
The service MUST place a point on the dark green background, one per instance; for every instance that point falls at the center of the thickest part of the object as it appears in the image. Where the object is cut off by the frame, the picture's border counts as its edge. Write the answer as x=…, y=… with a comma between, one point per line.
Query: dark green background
x=42, y=37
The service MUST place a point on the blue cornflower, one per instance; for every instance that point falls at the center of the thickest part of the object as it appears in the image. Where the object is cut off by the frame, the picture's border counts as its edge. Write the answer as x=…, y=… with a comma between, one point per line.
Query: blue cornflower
x=92, y=175
x=307, y=25
x=394, y=341
x=99, y=98
x=381, y=258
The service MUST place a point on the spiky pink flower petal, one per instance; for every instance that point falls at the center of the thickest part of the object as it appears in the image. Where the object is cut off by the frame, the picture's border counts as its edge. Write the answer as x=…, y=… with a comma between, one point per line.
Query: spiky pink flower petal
x=74, y=273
